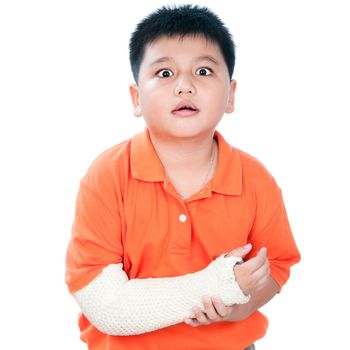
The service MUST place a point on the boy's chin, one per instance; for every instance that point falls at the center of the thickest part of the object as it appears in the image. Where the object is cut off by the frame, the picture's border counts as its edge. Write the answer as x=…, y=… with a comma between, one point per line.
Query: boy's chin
x=185, y=134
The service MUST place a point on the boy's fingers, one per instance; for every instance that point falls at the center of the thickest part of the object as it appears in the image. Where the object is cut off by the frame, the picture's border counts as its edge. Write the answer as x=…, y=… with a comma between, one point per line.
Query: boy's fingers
x=263, y=272
x=192, y=322
x=240, y=252
x=210, y=311
x=200, y=316
x=220, y=308
x=257, y=262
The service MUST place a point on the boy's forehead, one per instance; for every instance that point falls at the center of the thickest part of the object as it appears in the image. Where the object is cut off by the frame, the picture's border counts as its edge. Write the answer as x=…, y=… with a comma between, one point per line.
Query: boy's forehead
x=167, y=47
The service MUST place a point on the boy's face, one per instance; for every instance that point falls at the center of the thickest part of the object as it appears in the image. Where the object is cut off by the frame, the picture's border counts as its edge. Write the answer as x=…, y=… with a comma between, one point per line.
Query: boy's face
x=184, y=87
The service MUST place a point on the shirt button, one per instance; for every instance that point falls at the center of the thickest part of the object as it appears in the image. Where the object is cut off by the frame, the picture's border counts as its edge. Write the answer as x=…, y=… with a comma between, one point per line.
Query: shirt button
x=182, y=217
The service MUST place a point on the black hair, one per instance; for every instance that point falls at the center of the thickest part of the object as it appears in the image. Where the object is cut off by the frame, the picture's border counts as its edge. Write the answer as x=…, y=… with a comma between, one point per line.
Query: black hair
x=180, y=21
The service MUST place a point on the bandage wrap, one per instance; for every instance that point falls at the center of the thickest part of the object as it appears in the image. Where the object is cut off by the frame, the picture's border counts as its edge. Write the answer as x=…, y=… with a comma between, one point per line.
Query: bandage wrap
x=118, y=306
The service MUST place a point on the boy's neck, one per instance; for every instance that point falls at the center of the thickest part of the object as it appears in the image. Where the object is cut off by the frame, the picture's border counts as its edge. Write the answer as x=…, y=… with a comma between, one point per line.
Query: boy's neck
x=189, y=163
x=183, y=153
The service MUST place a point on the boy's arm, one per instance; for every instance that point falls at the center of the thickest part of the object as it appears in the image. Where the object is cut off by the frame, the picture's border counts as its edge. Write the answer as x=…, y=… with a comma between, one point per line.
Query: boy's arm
x=271, y=230
x=119, y=306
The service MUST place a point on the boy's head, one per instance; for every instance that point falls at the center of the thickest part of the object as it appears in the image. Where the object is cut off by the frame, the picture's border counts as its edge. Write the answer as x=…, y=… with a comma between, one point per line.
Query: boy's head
x=182, y=59
x=182, y=21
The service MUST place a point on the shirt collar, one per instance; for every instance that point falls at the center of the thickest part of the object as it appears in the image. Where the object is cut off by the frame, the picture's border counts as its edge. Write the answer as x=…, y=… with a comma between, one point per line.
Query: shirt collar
x=146, y=165
x=228, y=175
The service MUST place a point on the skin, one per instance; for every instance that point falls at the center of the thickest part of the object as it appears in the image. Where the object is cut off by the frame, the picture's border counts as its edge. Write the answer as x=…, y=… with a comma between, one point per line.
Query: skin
x=192, y=70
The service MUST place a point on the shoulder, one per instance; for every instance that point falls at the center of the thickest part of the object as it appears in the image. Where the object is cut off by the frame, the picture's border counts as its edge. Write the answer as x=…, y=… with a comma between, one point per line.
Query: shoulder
x=112, y=157
x=255, y=175
x=250, y=163
x=109, y=167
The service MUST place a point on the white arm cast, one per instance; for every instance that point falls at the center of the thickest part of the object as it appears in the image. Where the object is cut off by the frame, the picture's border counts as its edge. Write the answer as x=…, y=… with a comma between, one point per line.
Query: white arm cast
x=118, y=306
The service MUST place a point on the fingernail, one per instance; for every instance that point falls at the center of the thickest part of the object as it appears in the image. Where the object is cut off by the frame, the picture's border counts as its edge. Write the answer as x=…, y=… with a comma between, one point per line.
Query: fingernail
x=248, y=245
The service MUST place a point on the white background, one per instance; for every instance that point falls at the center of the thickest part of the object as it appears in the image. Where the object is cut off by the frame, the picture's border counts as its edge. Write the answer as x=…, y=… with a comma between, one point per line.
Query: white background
x=64, y=77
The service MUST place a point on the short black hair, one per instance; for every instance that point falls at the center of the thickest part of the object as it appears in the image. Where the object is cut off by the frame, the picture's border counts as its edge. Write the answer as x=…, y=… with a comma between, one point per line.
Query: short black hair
x=180, y=21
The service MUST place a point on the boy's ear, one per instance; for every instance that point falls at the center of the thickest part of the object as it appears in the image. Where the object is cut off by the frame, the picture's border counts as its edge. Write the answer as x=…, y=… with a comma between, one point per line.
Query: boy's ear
x=231, y=97
x=134, y=93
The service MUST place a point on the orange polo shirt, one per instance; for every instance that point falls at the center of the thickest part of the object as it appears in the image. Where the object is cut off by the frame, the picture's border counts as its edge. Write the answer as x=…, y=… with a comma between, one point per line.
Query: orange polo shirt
x=128, y=212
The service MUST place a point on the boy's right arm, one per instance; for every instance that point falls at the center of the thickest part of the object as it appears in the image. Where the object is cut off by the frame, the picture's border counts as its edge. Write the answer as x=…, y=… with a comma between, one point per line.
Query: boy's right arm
x=108, y=299
x=119, y=306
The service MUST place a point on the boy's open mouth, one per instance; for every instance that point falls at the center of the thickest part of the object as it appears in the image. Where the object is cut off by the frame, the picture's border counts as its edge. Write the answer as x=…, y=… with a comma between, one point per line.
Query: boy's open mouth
x=185, y=108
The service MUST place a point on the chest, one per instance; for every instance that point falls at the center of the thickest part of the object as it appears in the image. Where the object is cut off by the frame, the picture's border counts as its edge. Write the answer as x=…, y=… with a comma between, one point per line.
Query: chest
x=164, y=236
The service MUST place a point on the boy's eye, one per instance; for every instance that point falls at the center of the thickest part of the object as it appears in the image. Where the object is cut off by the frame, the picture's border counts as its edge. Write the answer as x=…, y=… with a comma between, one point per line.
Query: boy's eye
x=204, y=71
x=165, y=73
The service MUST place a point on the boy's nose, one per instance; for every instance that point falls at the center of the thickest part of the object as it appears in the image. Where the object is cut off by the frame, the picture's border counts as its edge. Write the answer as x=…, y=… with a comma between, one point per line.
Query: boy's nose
x=184, y=87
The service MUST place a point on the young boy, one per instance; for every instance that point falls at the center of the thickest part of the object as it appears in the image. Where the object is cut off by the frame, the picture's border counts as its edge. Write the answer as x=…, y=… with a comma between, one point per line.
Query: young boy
x=164, y=220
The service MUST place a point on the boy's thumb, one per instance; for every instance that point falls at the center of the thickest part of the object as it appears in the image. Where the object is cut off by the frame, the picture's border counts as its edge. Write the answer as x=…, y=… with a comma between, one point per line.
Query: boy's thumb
x=240, y=252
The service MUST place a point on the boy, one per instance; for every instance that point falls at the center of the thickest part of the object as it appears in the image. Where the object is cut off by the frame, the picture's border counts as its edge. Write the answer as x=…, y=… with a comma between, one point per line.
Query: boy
x=156, y=214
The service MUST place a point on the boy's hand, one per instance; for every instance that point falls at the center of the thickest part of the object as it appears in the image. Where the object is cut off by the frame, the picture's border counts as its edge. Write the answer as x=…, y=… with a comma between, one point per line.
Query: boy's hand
x=215, y=311
x=250, y=275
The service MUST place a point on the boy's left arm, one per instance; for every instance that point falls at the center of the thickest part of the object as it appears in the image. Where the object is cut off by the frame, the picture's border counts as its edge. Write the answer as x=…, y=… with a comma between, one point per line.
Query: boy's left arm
x=271, y=230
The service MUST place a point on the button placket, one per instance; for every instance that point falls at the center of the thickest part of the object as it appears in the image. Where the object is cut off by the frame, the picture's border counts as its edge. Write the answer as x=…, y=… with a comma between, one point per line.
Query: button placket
x=181, y=230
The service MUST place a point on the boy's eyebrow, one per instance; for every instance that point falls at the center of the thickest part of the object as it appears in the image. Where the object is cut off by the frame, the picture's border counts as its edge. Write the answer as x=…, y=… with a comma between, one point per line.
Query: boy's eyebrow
x=207, y=58
x=161, y=60
x=198, y=59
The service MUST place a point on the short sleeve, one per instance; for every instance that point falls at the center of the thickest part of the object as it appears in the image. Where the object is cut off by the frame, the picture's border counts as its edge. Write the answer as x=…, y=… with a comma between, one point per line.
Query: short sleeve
x=96, y=233
x=271, y=229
